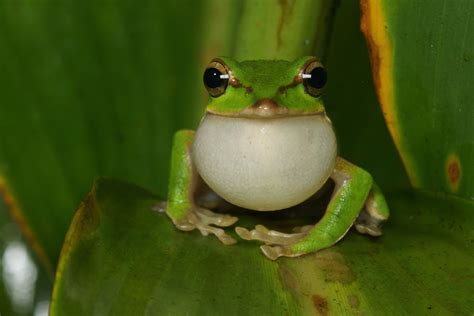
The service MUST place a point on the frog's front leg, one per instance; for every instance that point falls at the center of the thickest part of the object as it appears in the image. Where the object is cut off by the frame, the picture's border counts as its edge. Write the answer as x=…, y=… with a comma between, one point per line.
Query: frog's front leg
x=354, y=188
x=181, y=207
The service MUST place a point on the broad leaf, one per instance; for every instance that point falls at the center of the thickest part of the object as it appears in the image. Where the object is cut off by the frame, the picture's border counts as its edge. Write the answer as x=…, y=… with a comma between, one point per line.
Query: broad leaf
x=122, y=258
x=90, y=88
x=352, y=105
x=421, y=54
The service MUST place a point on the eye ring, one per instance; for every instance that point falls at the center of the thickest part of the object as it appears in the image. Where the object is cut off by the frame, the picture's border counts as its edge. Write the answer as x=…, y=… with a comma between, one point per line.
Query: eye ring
x=314, y=78
x=216, y=78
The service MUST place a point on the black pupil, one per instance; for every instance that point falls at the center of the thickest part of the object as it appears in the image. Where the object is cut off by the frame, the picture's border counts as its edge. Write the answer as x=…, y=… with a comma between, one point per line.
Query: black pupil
x=212, y=78
x=318, y=78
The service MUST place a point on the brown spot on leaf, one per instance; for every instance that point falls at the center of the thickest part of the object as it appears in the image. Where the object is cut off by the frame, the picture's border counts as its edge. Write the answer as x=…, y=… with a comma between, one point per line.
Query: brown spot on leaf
x=453, y=171
x=334, y=266
x=288, y=278
x=354, y=301
x=320, y=304
x=283, y=5
x=286, y=11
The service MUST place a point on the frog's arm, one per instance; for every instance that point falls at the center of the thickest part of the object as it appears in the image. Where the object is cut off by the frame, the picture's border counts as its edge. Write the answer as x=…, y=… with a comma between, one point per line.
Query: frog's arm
x=182, y=180
x=353, y=186
x=181, y=208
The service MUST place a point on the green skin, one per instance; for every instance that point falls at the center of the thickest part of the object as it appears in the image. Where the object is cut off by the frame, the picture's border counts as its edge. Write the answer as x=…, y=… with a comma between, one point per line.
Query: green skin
x=356, y=198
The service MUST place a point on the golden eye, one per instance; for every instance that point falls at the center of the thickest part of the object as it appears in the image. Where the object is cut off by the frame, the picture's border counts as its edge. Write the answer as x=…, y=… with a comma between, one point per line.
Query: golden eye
x=314, y=78
x=216, y=78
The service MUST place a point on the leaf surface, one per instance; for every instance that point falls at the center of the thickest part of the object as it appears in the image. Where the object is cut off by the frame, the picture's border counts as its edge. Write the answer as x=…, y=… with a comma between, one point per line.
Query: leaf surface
x=90, y=88
x=122, y=258
x=421, y=53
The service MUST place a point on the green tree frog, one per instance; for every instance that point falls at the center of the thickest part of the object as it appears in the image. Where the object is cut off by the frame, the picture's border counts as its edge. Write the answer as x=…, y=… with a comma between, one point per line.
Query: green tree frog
x=266, y=144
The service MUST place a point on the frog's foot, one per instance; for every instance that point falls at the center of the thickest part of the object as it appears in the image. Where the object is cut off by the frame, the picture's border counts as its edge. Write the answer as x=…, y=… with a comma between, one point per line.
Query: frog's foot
x=367, y=224
x=277, y=244
x=203, y=220
x=374, y=214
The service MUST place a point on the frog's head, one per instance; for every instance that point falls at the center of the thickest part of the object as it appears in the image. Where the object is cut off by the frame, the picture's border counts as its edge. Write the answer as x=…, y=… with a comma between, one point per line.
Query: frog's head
x=265, y=88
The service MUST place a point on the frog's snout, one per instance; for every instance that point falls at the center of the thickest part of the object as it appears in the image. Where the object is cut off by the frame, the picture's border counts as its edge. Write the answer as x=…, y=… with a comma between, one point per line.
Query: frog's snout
x=265, y=105
x=265, y=108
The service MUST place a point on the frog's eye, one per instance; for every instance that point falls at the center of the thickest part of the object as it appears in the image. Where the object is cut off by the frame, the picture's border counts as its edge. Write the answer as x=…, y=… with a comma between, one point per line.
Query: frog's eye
x=216, y=77
x=314, y=78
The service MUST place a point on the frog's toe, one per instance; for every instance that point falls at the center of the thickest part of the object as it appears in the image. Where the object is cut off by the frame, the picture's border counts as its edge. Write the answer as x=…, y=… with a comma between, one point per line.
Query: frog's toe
x=369, y=224
x=270, y=252
x=270, y=237
x=275, y=252
x=368, y=229
x=184, y=226
x=227, y=240
x=159, y=207
x=218, y=232
x=209, y=217
x=202, y=219
x=244, y=233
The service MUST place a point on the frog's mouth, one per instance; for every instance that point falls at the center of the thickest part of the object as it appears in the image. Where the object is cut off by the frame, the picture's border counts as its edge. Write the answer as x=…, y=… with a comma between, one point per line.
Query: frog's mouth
x=266, y=108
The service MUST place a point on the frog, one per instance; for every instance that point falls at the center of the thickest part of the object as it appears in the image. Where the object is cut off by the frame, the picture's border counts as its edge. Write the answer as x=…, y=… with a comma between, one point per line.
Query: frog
x=266, y=144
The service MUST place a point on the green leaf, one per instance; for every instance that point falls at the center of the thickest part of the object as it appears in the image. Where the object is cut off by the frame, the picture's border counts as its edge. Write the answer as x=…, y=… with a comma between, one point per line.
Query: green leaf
x=90, y=88
x=122, y=258
x=421, y=54
x=283, y=29
x=352, y=105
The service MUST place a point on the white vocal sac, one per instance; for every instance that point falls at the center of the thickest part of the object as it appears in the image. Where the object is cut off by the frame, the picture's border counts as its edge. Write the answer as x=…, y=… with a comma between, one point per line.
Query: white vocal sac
x=265, y=164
